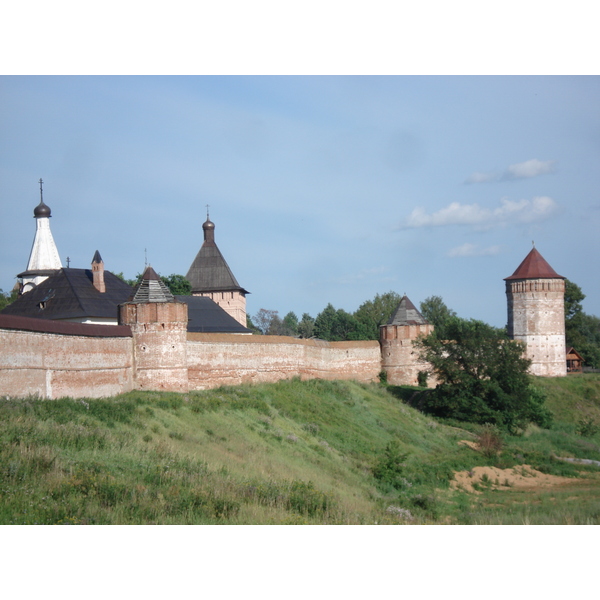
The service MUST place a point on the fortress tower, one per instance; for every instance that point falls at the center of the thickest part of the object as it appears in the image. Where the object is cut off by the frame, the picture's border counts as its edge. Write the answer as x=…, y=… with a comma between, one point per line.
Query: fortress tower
x=159, y=327
x=44, y=259
x=536, y=316
x=211, y=276
x=398, y=358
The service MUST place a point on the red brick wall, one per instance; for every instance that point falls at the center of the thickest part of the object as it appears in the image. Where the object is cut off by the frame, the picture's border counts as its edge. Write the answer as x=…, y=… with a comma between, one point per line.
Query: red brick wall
x=162, y=356
x=52, y=365
x=228, y=359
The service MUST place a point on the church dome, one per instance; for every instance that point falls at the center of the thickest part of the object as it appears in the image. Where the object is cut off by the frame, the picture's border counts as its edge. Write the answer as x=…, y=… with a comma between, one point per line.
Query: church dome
x=41, y=210
x=208, y=224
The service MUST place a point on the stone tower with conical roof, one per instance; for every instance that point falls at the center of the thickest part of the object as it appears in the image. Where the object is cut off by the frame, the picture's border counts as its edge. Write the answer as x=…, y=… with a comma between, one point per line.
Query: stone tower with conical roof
x=211, y=276
x=159, y=327
x=43, y=259
x=536, y=316
x=398, y=357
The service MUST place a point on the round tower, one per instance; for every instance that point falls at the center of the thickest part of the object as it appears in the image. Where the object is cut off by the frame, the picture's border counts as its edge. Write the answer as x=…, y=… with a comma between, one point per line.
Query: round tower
x=398, y=358
x=159, y=326
x=535, y=296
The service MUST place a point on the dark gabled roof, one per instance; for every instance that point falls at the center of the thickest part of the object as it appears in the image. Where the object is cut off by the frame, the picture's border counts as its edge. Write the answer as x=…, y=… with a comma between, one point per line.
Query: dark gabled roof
x=206, y=316
x=70, y=294
x=151, y=289
x=534, y=266
x=209, y=271
x=407, y=314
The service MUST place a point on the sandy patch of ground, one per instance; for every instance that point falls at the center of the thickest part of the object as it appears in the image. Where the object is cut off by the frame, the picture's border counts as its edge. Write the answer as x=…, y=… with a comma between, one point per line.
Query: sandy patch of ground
x=521, y=476
x=472, y=445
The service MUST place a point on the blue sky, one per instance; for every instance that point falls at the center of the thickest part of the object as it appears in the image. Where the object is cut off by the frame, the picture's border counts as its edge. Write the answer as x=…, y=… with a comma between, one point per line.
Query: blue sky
x=322, y=188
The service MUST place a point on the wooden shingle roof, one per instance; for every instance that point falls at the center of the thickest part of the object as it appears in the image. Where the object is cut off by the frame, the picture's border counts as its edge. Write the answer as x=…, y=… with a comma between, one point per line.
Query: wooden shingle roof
x=151, y=289
x=210, y=272
x=407, y=314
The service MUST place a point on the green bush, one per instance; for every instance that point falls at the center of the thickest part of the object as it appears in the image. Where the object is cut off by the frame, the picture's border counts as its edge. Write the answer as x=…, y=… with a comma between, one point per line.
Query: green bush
x=305, y=499
x=390, y=467
x=587, y=427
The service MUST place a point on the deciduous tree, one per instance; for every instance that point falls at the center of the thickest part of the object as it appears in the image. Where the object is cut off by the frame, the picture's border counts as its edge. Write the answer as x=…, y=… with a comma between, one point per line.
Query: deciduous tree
x=371, y=314
x=7, y=298
x=306, y=327
x=290, y=324
x=178, y=285
x=263, y=319
x=336, y=325
x=582, y=331
x=483, y=377
x=437, y=313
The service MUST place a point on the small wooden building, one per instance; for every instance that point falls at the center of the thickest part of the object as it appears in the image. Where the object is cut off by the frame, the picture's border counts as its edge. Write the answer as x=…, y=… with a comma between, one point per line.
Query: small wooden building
x=574, y=361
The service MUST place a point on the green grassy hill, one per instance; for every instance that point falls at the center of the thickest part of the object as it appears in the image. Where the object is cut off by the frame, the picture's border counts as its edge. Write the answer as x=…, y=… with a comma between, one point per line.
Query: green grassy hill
x=289, y=453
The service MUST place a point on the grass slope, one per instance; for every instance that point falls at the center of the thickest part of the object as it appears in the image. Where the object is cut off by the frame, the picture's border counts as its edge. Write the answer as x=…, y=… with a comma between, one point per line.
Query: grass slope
x=286, y=453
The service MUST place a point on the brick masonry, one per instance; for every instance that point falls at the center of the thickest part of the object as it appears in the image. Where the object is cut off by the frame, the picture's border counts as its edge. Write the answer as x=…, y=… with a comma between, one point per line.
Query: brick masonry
x=159, y=344
x=536, y=316
x=398, y=356
x=52, y=365
x=227, y=359
x=152, y=350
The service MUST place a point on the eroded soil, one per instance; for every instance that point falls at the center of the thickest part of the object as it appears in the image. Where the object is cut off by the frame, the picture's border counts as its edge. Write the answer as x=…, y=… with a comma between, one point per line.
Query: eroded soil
x=521, y=476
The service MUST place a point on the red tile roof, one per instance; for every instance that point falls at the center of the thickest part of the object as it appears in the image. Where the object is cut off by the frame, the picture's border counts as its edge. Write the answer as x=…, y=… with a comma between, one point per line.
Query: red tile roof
x=534, y=267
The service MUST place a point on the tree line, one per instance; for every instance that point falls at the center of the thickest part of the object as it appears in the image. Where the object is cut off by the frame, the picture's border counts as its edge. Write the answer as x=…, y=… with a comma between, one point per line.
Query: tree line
x=331, y=324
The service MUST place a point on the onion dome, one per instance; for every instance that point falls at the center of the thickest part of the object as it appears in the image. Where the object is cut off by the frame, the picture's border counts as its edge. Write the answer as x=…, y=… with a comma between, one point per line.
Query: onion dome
x=209, y=231
x=42, y=210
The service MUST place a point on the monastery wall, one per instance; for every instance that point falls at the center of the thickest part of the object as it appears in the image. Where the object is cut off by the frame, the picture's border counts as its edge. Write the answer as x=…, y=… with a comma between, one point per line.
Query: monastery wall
x=229, y=359
x=52, y=359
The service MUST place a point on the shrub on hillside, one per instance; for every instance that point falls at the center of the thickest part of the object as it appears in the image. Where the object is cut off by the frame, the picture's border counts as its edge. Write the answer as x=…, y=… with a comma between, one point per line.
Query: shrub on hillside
x=390, y=466
x=490, y=440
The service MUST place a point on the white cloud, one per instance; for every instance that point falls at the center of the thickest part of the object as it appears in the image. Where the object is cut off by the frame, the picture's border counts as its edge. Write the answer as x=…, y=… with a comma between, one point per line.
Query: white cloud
x=508, y=213
x=529, y=168
x=473, y=250
x=482, y=177
x=524, y=170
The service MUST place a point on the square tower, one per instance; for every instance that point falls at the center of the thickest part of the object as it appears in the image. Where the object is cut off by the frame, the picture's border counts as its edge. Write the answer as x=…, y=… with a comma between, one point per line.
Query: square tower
x=211, y=276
